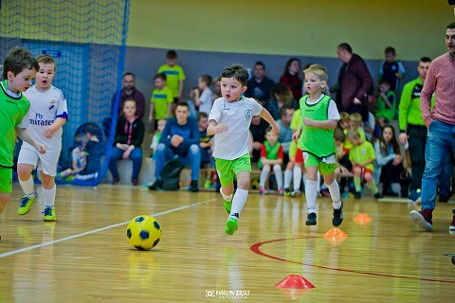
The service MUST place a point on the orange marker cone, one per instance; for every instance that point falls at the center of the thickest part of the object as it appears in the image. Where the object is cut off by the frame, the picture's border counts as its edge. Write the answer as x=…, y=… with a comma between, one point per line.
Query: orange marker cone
x=362, y=218
x=295, y=282
x=335, y=235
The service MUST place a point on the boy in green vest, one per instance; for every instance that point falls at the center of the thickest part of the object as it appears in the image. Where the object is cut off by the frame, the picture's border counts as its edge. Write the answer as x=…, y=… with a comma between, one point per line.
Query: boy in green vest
x=271, y=157
x=320, y=117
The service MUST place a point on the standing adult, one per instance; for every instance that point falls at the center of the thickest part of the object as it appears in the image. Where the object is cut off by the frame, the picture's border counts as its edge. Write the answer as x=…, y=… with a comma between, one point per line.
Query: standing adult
x=354, y=83
x=440, y=121
x=291, y=77
x=259, y=86
x=129, y=91
x=412, y=127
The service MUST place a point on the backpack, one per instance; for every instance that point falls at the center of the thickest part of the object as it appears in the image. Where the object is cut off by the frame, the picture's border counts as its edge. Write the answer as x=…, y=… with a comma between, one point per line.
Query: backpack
x=169, y=178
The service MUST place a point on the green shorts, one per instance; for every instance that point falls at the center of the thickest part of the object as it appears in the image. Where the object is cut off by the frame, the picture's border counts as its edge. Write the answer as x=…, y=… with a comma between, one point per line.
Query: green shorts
x=324, y=167
x=227, y=169
x=6, y=180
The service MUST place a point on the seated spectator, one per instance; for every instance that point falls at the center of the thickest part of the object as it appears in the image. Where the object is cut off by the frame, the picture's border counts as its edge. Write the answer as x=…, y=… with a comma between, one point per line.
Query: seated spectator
x=344, y=164
x=280, y=95
x=387, y=104
x=259, y=86
x=285, y=138
x=271, y=158
x=157, y=136
x=206, y=144
x=129, y=135
x=180, y=138
x=129, y=91
x=79, y=159
x=291, y=79
x=216, y=88
x=257, y=128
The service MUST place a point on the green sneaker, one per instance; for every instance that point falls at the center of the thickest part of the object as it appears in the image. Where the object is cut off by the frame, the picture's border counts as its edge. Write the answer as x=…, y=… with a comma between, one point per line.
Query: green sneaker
x=231, y=226
x=26, y=203
x=49, y=214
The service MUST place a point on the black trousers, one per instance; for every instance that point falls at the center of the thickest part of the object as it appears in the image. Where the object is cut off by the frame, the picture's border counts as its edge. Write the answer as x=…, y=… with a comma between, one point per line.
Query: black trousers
x=417, y=141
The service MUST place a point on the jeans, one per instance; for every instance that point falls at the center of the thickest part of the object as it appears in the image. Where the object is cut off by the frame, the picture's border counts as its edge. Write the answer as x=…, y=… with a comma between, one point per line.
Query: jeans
x=135, y=156
x=440, y=141
x=193, y=158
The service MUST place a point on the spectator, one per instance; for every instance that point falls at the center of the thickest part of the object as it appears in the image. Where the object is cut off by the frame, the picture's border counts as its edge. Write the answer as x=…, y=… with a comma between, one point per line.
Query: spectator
x=175, y=75
x=271, y=158
x=280, y=95
x=129, y=135
x=203, y=95
x=387, y=104
x=257, y=129
x=354, y=83
x=157, y=136
x=291, y=77
x=180, y=138
x=161, y=101
x=259, y=86
x=391, y=70
x=129, y=91
x=440, y=121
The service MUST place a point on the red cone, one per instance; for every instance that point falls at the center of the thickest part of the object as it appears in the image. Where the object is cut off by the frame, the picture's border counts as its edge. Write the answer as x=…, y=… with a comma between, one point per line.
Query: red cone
x=295, y=282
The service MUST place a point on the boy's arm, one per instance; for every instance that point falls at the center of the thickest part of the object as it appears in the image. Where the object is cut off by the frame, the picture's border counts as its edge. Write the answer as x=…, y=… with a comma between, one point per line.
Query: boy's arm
x=268, y=117
x=328, y=124
x=25, y=135
x=51, y=129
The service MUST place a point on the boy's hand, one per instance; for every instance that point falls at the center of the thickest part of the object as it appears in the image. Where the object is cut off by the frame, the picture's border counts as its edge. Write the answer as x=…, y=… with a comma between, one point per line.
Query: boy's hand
x=48, y=132
x=40, y=147
x=220, y=128
x=276, y=130
x=307, y=122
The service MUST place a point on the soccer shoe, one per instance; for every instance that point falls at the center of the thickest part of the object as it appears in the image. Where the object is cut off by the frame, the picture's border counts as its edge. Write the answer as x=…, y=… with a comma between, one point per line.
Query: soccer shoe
x=422, y=218
x=452, y=225
x=281, y=191
x=49, y=214
x=311, y=219
x=231, y=226
x=295, y=193
x=262, y=190
x=337, y=216
x=26, y=203
x=287, y=192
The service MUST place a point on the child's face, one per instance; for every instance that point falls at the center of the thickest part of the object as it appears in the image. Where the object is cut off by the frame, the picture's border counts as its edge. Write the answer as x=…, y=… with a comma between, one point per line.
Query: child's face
x=355, y=124
x=313, y=83
x=129, y=109
x=355, y=141
x=338, y=143
x=203, y=123
x=345, y=124
x=384, y=87
x=171, y=61
x=201, y=84
x=387, y=134
x=231, y=89
x=161, y=125
x=389, y=57
x=45, y=75
x=22, y=81
x=271, y=138
x=160, y=83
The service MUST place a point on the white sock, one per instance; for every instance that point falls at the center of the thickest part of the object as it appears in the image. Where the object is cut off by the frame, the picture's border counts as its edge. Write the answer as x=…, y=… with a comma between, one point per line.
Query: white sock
x=297, y=177
x=311, y=194
x=27, y=186
x=49, y=196
x=264, y=174
x=287, y=178
x=225, y=197
x=239, y=201
x=334, y=190
x=278, y=175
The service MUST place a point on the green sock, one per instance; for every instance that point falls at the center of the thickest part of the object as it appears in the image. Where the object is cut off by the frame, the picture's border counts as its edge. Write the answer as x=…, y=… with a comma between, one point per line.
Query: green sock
x=374, y=188
x=357, y=183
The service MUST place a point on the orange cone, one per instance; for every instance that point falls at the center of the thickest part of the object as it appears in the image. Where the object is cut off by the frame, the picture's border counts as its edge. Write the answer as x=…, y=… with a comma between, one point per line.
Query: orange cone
x=295, y=282
x=335, y=235
x=362, y=218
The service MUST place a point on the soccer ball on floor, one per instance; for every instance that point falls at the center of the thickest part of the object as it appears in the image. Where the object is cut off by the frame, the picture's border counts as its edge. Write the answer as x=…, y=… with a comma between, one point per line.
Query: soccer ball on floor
x=143, y=232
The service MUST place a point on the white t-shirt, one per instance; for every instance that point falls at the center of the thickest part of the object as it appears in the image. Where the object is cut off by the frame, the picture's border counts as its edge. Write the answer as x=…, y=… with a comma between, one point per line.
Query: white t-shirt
x=206, y=101
x=233, y=143
x=45, y=107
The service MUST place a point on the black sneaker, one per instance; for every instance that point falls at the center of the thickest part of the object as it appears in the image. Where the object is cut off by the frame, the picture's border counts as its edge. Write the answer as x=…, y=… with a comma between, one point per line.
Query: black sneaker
x=153, y=186
x=311, y=219
x=337, y=216
x=357, y=195
x=194, y=187
x=378, y=195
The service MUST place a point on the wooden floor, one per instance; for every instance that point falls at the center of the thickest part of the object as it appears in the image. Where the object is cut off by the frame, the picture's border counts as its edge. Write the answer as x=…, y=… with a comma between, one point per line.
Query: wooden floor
x=85, y=256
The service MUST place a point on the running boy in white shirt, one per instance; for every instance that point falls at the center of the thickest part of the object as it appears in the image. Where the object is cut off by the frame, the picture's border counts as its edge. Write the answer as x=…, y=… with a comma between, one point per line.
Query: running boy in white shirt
x=229, y=121
x=47, y=114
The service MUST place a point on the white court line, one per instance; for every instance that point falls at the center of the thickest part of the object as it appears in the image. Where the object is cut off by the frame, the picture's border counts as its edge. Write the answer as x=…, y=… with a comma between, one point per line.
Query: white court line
x=18, y=251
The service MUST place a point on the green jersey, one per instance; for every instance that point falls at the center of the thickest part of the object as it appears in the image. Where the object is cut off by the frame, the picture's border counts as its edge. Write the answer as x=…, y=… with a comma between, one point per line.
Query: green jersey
x=14, y=108
x=315, y=140
x=383, y=110
x=363, y=153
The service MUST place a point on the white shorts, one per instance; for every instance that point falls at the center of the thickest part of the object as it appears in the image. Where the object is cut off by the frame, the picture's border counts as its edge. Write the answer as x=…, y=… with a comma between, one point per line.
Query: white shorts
x=46, y=162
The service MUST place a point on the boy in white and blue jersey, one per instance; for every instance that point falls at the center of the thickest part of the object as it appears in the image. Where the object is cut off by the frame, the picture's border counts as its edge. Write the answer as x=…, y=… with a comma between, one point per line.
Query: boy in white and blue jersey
x=48, y=113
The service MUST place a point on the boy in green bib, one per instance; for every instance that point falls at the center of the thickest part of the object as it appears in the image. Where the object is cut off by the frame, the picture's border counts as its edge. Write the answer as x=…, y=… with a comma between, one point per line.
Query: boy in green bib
x=320, y=117
x=271, y=158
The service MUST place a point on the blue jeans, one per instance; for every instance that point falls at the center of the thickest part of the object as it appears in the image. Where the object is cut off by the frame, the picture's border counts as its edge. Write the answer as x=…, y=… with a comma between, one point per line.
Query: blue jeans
x=440, y=141
x=193, y=159
x=135, y=156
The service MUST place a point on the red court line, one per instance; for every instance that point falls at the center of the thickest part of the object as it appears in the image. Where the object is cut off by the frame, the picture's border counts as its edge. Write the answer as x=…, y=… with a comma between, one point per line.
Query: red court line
x=256, y=248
